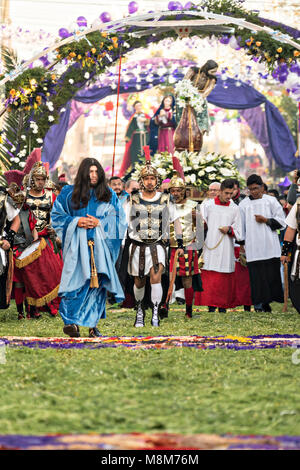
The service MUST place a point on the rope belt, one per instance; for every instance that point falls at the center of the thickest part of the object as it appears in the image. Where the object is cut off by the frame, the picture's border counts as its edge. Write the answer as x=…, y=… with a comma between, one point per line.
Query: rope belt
x=216, y=246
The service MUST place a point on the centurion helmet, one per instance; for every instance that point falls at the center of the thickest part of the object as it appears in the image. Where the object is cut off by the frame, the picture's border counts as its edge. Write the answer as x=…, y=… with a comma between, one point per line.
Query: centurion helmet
x=149, y=170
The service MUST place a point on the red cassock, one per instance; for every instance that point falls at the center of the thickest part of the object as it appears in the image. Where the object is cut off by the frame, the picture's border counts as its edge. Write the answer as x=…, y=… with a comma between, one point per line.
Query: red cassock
x=212, y=295
x=242, y=282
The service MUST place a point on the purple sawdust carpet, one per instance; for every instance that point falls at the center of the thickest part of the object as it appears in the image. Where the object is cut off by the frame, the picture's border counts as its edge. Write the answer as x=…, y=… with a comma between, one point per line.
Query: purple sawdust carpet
x=157, y=342
x=141, y=441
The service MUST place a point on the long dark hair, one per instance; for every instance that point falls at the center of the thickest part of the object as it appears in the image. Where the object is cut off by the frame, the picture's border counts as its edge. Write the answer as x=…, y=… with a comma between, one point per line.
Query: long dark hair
x=82, y=185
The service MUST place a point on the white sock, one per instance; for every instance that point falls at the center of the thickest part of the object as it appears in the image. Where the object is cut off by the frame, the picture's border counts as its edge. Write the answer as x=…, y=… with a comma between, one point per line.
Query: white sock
x=138, y=293
x=156, y=293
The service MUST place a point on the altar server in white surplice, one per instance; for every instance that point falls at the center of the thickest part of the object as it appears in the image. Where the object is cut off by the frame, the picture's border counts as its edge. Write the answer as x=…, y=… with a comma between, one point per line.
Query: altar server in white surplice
x=223, y=220
x=262, y=217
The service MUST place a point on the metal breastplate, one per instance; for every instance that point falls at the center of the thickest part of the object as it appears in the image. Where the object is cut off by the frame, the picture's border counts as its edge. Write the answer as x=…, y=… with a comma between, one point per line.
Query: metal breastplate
x=40, y=207
x=23, y=237
x=184, y=212
x=150, y=219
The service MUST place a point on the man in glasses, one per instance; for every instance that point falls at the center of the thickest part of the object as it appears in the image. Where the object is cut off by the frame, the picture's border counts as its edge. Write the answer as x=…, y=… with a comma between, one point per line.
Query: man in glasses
x=262, y=215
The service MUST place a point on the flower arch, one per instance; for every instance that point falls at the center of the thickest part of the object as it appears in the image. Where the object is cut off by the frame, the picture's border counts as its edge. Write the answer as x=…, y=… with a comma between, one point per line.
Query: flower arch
x=35, y=97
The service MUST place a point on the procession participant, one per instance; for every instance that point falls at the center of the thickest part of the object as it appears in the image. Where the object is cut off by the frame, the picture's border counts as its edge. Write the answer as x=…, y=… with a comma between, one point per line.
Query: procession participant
x=40, y=199
x=116, y=183
x=91, y=223
x=131, y=185
x=223, y=221
x=237, y=197
x=33, y=260
x=9, y=225
x=187, y=266
x=213, y=191
x=137, y=136
x=290, y=253
x=262, y=216
x=149, y=214
x=242, y=282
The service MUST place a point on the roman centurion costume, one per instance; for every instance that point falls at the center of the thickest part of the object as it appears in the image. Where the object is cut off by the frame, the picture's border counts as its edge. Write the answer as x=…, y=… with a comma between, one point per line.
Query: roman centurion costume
x=292, y=249
x=148, y=234
x=193, y=239
x=8, y=211
x=40, y=207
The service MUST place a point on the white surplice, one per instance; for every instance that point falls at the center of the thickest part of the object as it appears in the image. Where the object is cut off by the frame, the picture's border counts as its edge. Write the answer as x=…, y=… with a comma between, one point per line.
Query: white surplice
x=220, y=258
x=261, y=243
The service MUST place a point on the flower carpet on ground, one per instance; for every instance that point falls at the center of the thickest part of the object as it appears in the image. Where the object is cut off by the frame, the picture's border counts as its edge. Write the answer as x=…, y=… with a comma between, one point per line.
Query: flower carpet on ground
x=141, y=441
x=157, y=342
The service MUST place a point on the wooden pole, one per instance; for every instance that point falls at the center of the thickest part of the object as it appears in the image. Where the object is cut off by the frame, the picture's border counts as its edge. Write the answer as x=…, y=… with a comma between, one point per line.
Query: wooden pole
x=286, y=286
x=116, y=121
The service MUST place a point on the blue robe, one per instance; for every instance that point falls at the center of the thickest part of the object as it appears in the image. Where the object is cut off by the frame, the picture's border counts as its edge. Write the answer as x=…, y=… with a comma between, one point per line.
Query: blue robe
x=81, y=304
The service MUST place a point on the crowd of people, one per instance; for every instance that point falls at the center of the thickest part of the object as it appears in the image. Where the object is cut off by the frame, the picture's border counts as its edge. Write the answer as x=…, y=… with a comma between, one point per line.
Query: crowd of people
x=71, y=248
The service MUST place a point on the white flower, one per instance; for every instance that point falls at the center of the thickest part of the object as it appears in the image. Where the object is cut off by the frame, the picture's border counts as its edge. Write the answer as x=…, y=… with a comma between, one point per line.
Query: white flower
x=50, y=118
x=193, y=178
x=22, y=164
x=63, y=110
x=39, y=140
x=188, y=178
x=86, y=75
x=17, y=159
x=209, y=169
x=201, y=173
x=35, y=131
x=13, y=148
x=23, y=137
x=71, y=81
x=225, y=172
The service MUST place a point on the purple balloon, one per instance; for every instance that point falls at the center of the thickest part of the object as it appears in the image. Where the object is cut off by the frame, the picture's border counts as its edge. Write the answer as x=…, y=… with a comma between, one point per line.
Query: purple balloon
x=133, y=7
x=81, y=21
x=105, y=17
x=63, y=33
x=174, y=6
x=188, y=5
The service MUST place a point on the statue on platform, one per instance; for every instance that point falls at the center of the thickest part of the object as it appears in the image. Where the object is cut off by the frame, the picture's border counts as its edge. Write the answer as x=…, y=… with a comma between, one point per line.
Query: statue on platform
x=192, y=111
x=137, y=136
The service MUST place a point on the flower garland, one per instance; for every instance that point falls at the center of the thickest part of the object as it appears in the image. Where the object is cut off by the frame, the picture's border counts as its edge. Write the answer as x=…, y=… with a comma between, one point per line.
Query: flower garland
x=199, y=170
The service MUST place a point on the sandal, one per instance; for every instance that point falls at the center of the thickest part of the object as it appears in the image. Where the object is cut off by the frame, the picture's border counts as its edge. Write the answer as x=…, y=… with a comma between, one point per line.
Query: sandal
x=72, y=330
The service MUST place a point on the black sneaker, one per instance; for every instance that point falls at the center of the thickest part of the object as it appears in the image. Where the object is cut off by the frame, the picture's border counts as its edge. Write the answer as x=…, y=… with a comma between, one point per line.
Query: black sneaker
x=140, y=315
x=155, y=318
x=266, y=308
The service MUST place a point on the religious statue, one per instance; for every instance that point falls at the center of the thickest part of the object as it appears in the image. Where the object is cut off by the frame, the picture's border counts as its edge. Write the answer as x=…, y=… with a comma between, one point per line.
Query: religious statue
x=192, y=110
x=137, y=137
x=163, y=125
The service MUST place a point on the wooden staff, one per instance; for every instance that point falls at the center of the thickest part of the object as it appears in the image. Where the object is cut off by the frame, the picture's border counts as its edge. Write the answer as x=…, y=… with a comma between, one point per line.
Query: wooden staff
x=286, y=286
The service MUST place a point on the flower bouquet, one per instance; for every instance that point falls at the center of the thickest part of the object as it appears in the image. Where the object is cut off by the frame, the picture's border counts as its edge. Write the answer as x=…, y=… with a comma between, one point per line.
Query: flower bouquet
x=199, y=170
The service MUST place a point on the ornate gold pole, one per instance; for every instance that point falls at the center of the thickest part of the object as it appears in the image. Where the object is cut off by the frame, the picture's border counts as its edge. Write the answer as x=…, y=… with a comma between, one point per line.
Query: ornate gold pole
x=191, y=143
x=94, y=276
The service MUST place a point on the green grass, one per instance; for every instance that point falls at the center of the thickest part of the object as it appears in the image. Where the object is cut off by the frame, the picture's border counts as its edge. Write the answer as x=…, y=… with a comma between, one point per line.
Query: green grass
x=178, y=390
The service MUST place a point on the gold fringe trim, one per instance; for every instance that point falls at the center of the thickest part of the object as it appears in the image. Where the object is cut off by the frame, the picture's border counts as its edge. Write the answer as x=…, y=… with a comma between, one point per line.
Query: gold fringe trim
x=94, y=276
x=44, y=300
x=21, y=263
